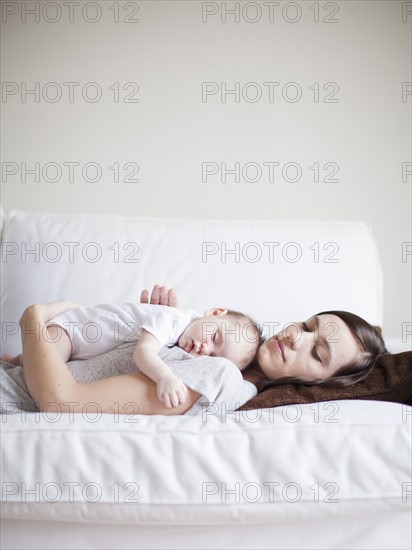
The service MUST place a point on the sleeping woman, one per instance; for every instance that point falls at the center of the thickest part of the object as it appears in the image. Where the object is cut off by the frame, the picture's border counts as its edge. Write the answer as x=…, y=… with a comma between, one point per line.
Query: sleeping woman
x=333, y=348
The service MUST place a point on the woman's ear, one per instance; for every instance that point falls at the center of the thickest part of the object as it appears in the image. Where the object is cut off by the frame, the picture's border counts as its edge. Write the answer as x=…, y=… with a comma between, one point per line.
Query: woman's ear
x=215, y=312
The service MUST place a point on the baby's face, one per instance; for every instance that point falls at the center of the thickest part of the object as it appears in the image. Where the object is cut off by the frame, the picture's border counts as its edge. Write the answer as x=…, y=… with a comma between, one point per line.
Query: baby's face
x=220, y=336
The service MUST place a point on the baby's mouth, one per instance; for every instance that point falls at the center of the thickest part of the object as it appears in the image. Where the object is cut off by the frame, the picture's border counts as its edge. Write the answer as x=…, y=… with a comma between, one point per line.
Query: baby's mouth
x=189, y=346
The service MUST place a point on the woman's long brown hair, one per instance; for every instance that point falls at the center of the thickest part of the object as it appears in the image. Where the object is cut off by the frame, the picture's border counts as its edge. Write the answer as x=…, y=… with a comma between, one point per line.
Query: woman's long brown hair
x=372, y=346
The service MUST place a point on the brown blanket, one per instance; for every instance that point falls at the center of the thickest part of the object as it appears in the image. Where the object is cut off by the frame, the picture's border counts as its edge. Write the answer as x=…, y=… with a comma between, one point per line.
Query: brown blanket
x=390, y=380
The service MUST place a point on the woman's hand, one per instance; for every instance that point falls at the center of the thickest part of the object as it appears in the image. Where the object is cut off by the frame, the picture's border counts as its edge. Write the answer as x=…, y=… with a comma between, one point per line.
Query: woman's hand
x=161, y=295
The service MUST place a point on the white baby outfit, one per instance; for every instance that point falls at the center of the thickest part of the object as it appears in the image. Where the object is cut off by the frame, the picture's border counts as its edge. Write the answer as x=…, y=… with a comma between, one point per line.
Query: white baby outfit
x=96, y=330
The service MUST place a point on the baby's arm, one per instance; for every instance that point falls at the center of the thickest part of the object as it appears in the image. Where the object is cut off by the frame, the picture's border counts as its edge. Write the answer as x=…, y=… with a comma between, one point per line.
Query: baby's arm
x=170, y=389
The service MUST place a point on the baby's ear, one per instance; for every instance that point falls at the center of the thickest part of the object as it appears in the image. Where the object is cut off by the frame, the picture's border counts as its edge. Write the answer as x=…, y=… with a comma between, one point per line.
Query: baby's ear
x=215, y=311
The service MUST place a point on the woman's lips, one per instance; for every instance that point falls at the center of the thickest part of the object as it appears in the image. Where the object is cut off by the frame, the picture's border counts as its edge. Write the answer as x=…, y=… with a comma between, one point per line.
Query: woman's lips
x=279, y=347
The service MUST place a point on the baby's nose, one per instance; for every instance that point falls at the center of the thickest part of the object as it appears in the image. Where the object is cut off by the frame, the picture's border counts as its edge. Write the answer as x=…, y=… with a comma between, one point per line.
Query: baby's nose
x=205, y=348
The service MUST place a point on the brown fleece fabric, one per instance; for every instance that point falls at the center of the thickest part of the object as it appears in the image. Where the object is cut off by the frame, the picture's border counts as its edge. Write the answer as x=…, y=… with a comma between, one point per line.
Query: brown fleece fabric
x=390, y=380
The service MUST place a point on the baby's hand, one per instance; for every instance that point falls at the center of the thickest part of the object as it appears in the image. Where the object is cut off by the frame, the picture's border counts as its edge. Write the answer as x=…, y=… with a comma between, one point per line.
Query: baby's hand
x=171, y=390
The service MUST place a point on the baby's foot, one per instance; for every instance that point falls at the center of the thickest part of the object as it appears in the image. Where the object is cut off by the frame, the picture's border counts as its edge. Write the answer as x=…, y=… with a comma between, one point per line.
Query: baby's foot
x=10, y=359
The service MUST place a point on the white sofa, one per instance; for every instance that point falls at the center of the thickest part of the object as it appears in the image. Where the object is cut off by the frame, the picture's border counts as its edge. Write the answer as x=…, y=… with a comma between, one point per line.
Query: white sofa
x=331, y=475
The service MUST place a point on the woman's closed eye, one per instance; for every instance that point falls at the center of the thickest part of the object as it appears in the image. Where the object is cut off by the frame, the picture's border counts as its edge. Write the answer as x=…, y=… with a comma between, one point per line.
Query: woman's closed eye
x=315, y=355
x=314, y=352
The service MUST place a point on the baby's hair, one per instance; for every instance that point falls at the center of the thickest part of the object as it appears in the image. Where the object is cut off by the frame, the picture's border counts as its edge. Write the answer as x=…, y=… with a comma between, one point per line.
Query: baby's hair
x=255, y=338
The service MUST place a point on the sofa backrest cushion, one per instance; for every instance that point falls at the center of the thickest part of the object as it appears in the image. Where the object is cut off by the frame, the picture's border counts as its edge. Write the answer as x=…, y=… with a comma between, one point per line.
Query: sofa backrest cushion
x=276, y=271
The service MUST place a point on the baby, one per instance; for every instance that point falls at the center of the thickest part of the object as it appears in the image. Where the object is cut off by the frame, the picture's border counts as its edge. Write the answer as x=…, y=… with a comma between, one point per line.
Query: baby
x=84, y=332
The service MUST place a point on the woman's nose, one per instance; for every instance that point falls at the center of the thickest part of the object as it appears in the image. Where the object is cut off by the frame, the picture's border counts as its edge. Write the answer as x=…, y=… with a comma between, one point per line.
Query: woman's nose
x=296, y=339
x=304, y=339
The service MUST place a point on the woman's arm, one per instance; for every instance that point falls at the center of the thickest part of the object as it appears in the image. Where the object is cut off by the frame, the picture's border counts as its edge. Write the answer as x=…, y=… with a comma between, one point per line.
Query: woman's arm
x=49, y=380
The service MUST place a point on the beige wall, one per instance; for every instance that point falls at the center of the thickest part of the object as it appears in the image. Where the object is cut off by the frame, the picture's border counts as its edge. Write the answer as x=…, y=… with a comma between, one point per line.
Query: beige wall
x=351, y=114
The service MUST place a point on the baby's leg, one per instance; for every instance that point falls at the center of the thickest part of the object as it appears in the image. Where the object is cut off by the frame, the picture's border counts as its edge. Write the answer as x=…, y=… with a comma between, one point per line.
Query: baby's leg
x=61, y=340
x=58, y=336
x=10, y=359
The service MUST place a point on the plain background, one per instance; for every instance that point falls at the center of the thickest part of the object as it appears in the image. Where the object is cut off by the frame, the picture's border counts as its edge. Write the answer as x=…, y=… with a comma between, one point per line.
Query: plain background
x=340, y=71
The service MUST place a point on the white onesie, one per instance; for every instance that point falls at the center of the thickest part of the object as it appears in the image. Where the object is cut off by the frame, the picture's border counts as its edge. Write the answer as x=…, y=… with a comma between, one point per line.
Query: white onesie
x=96, y=330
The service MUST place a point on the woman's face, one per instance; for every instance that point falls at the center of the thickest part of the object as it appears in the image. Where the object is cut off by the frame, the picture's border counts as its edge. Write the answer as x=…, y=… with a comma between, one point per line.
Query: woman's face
x=312, y=350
